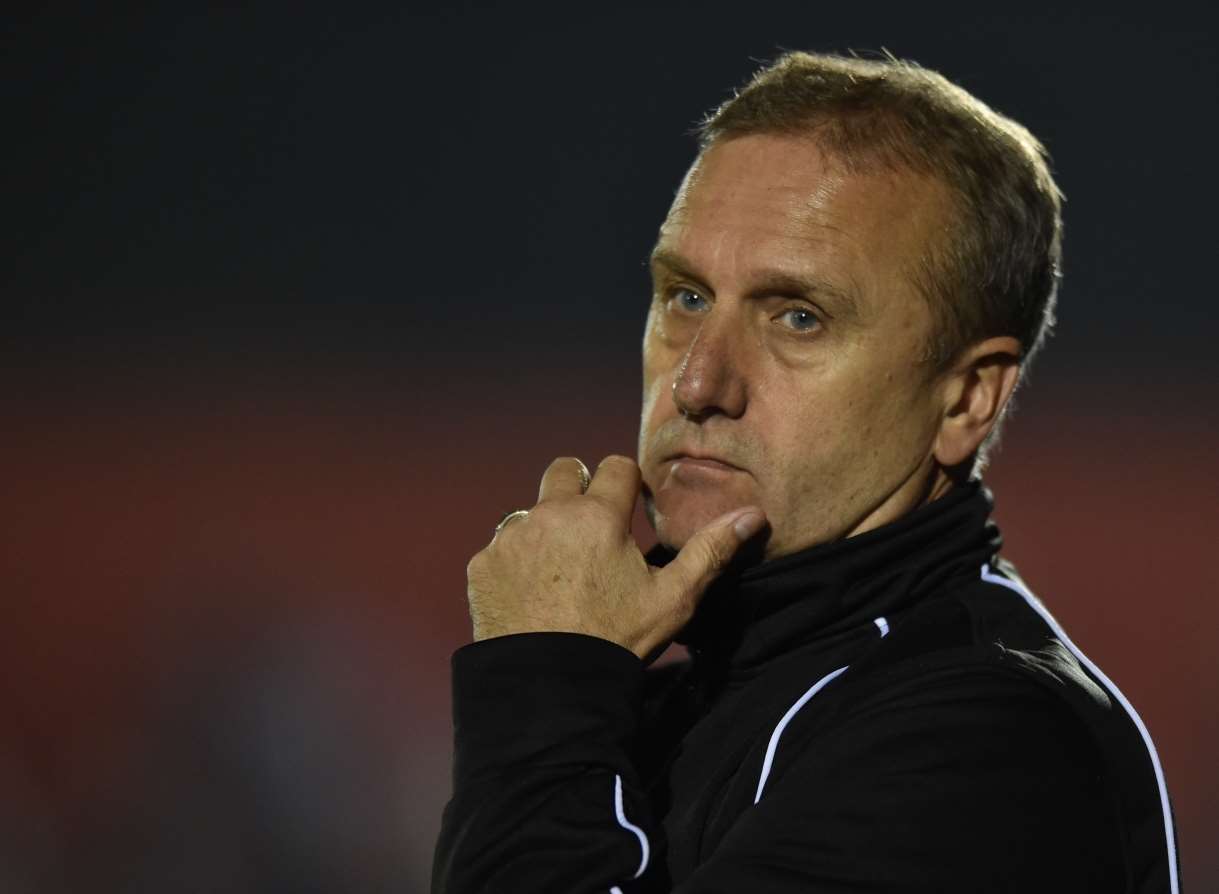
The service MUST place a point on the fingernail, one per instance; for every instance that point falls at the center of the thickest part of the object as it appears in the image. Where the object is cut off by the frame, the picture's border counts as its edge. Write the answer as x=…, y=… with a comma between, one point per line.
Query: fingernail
x=748, y=523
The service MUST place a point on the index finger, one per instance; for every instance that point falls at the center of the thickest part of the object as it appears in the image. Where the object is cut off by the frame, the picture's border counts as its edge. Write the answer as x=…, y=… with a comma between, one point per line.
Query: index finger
x=616, y=481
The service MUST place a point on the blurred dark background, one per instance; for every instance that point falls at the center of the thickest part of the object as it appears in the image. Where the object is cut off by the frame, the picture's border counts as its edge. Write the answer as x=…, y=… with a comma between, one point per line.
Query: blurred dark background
x=299, y=299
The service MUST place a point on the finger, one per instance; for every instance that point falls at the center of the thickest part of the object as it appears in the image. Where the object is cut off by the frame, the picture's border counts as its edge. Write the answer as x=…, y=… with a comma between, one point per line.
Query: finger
x=617, y=482
x=707, y=553
x=564, y=477
x=509, y=518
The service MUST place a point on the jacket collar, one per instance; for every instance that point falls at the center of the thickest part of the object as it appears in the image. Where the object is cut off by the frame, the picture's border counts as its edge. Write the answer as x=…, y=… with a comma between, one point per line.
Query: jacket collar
x=757, y=613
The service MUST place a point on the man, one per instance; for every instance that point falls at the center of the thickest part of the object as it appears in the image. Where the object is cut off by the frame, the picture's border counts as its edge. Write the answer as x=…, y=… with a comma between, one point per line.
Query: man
x=851, y=281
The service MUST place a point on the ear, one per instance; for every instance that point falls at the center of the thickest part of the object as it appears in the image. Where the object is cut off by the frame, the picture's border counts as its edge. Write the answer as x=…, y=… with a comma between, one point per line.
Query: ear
x=975, y=391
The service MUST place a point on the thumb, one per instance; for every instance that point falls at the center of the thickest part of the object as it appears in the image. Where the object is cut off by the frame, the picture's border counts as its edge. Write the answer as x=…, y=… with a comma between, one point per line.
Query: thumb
x=708, y=552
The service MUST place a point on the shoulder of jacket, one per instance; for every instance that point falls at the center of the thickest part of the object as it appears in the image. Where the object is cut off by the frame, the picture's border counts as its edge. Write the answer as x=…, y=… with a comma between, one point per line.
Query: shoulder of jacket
x=984, y=626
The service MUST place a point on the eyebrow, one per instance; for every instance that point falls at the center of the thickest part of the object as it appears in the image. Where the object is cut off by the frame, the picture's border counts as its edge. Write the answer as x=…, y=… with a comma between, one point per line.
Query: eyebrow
x=842, y=303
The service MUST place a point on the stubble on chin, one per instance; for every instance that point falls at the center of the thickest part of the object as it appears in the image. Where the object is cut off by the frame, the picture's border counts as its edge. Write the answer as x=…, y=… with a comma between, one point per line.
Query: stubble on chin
x=663, y=525
x=660, y=523
x=684, y=516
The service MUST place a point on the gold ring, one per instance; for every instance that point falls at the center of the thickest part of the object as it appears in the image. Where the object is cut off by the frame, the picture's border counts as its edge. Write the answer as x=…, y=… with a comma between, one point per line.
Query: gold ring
x=510, y=517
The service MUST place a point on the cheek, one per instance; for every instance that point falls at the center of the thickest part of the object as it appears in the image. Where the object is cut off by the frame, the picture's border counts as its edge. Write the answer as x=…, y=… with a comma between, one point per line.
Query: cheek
x=805, y=443
x=656, y=409
x=884, y=429
x=648, y=421
x=821, y=434
x=659, y=363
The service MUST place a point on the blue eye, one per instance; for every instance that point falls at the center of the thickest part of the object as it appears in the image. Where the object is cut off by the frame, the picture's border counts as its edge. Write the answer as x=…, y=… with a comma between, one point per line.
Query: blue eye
x=688, y=300
x=800, y=319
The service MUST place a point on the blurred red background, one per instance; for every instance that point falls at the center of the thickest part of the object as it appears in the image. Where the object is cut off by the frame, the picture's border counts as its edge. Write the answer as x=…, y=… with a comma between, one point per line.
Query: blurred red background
x=196, y=582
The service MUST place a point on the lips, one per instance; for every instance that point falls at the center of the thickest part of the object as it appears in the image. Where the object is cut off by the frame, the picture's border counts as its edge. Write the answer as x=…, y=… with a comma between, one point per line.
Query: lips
x=708, y=461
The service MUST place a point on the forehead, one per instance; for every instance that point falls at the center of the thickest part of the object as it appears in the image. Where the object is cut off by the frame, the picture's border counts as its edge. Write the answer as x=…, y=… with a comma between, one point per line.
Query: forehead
x=767, y=202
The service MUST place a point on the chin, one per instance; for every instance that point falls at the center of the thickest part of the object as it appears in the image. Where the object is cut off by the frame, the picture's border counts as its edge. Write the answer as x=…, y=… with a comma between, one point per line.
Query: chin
x=677, y=518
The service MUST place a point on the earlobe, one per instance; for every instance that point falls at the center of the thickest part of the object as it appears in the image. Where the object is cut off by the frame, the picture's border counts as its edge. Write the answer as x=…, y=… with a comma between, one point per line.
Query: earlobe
x=977, y=390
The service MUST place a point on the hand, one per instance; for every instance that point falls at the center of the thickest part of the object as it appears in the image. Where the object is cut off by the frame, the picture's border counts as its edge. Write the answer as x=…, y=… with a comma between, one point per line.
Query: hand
x=571, y=564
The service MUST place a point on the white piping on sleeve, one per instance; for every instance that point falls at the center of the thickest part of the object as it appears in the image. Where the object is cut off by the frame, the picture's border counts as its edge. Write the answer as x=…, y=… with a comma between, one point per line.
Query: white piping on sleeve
x=791, y=712
x=1035, y=604
x=882, y=624
x=630, y=827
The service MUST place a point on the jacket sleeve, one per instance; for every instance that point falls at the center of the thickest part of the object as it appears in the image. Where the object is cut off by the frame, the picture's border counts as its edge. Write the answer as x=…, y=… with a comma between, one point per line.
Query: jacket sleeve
x=545, y=797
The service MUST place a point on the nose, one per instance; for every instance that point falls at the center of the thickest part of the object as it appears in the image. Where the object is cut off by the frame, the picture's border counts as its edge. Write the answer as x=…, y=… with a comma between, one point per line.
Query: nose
x=710, y=379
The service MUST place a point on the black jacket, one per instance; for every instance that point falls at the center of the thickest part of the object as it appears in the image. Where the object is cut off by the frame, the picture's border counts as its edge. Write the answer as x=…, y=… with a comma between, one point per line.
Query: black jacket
x=890, y=712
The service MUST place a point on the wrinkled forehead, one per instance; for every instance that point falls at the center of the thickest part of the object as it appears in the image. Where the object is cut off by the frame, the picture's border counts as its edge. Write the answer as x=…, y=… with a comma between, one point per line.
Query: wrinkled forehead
x=783, y=197
x=745, y=179
x=801, y=168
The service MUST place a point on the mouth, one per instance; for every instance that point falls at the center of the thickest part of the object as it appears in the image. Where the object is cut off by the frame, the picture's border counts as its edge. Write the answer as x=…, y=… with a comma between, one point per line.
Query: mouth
x=705, y=462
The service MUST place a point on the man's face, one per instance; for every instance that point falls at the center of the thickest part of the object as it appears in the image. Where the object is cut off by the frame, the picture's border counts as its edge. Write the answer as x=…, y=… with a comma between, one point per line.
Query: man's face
x=783, y=355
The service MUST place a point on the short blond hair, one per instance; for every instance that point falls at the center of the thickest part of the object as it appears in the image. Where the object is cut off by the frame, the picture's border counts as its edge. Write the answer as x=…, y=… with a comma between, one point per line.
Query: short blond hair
x=996, y=271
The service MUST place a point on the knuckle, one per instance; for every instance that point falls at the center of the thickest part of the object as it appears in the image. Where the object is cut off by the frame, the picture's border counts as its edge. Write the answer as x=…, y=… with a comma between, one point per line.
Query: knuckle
x=540, y=515
x=599, y=510
x=617, y=460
